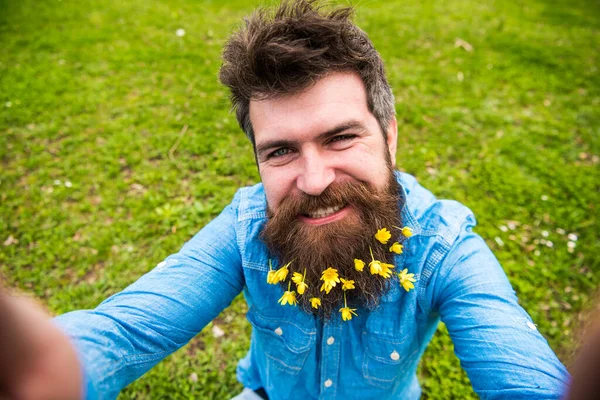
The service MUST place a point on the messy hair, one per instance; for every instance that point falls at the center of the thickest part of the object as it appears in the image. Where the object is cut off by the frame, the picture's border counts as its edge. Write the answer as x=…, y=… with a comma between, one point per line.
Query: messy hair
x=284, y=51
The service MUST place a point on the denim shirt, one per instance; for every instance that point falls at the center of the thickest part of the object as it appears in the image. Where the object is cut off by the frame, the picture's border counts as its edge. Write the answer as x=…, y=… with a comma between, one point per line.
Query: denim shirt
x=294, y=355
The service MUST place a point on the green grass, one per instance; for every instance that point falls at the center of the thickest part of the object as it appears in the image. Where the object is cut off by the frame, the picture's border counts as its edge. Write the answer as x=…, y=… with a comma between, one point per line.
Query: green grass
x=97, y=94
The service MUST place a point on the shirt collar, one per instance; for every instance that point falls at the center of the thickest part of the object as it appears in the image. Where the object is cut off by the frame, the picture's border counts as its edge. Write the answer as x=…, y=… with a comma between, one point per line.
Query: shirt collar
x=408, y=218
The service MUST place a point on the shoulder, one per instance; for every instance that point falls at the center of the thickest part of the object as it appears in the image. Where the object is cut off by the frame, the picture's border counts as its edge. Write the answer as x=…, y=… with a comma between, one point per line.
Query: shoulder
x=250, y=203
x=430, y=216
x=438, y=226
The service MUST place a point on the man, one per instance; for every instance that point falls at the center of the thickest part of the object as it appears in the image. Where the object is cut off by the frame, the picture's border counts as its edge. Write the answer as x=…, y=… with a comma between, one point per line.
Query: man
x=347, y=265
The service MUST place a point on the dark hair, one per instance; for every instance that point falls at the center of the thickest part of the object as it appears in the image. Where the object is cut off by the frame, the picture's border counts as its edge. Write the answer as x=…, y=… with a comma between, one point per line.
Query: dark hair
x=284, y=51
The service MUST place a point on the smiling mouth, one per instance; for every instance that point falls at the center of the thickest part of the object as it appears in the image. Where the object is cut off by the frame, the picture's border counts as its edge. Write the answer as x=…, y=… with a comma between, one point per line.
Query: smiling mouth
x=323, y=212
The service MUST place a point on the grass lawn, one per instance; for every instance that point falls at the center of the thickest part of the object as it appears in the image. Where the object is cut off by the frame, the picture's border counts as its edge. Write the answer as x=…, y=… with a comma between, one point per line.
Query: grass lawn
x=117, y=145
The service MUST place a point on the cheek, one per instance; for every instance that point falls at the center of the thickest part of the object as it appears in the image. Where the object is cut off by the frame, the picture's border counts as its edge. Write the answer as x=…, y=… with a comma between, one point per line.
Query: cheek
x=364, y=164
x=277, y=187
x=368, y=167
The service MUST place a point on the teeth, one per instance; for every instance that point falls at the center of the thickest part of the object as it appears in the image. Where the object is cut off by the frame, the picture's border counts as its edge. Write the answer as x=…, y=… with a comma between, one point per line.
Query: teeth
x=324, y=212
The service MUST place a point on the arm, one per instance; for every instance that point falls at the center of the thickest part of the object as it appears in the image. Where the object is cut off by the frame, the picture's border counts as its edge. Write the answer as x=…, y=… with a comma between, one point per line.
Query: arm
x=494, y=338
x=130, y=332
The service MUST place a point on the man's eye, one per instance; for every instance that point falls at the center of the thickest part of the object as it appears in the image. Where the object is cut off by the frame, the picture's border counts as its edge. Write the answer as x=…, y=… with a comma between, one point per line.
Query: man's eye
x=341, y=138
x=280, y=152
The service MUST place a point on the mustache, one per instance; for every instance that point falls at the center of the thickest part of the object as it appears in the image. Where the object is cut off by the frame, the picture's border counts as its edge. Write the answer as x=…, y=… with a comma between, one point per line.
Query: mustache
x=337, y=194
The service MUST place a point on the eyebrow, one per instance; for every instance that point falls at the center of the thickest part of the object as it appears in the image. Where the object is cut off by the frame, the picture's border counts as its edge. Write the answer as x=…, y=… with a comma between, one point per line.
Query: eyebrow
x=344, y=126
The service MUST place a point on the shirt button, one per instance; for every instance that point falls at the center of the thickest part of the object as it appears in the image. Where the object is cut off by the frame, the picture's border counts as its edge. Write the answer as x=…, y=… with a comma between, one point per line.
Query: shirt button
x=279, y=331
x=328, y=383
x=330, y=340
x=395, y=356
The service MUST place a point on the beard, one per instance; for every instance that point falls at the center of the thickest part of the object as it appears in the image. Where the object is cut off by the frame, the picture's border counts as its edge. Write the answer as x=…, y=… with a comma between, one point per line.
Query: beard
x=311, y=249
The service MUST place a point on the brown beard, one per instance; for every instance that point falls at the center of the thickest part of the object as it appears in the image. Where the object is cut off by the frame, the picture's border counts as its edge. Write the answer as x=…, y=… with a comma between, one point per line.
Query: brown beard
x=337, y=244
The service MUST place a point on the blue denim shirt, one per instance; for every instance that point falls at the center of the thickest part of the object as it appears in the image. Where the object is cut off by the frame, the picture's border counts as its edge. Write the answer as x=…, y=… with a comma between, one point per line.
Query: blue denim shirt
x=293, y=355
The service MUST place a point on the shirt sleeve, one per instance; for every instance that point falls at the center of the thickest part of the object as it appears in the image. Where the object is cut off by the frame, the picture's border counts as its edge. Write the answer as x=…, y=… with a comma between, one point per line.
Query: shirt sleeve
x=133, y=330
x=498, y=345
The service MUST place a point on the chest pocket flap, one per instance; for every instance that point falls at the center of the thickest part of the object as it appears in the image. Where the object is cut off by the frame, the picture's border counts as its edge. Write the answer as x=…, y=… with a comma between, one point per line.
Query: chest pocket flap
x=285, y=341
x=386, y=358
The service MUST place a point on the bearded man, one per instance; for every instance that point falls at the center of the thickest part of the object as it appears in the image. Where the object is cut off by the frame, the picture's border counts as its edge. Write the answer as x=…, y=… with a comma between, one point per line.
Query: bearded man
x=346, y=264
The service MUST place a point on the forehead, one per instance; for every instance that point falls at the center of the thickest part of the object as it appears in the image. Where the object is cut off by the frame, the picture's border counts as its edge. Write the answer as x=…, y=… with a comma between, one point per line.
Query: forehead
x=333, y=100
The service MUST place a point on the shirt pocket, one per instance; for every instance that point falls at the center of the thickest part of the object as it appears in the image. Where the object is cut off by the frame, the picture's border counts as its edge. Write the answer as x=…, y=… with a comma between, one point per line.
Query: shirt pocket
x=286, y=342
x=386, y=358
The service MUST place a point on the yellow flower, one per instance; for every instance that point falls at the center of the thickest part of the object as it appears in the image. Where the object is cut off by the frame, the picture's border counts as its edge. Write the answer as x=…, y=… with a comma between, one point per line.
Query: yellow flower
x=330, y=278
x=375, y=267
x=289, y=297
x=326, y=287
x=297, y=277
x=301, y=287
x=396, y=248
x=315, y=302
x=406, y=231
x=281, y=273
x=359, y=265
x=383, y=235
x=271, y=275
x=347, y=284
x=406, y=279
x=386, y=270
x=347, y=313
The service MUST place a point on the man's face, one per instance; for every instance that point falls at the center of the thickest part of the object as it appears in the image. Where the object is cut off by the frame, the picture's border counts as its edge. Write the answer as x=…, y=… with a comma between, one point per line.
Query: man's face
x=328, y=175
x=324, y=135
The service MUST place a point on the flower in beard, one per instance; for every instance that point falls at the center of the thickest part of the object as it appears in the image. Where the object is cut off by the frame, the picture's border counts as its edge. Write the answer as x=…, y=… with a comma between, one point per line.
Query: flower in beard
x=315, y=302
x=347, y=284
x=316, y=247
x=298, y=279
x=396, y=248
x=359, y=265
x=271, y=274
x=330, y=278
x=374, y=266
x=386, y=270
x=281, y=273
x=346, y=311
x=383, y=235
x=289, y=297
x=302, y=286
x=406, y=231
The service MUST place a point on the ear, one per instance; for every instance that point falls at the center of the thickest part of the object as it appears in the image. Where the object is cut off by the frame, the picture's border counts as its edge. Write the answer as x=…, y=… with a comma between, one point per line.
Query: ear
x=392, y=139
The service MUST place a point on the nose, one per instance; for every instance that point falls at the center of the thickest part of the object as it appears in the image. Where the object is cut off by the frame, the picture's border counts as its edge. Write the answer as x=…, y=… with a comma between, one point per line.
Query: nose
x=316, y=174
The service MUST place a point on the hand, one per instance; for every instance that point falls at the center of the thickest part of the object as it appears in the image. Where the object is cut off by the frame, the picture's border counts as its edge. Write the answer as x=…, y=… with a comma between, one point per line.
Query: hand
x=37, y=360
x=586, y=369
